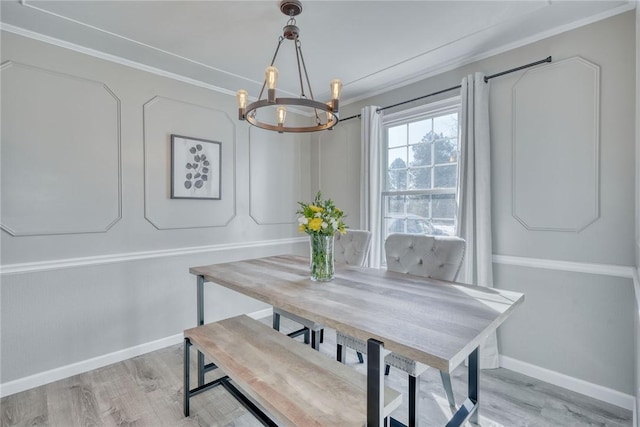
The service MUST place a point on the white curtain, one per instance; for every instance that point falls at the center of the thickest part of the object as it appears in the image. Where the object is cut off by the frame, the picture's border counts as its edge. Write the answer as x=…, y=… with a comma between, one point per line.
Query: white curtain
x=474, y=196
x=370, y=180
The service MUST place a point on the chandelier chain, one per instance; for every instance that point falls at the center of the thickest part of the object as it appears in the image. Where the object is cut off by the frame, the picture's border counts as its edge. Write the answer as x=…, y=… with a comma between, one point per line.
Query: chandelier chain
x=298, y=55
x=306, y=74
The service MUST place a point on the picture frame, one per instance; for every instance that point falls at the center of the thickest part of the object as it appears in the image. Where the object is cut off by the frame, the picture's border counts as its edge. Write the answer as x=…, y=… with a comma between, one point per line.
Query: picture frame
x=196, y=171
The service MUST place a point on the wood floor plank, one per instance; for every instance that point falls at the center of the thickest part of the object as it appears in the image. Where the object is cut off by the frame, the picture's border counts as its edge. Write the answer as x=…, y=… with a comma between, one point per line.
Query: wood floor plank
x=147, y=391
x=28, y=408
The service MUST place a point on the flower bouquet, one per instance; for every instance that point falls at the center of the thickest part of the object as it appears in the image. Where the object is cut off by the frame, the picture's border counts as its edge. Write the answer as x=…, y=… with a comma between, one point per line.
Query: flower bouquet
x=321, y=219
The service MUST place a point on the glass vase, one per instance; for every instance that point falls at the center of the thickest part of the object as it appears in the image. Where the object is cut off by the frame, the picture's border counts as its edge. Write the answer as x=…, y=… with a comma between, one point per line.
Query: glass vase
x=321, y=258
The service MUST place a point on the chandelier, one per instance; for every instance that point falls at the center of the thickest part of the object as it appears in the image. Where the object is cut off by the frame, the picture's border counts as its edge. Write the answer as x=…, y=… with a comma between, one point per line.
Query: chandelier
x=325, y=115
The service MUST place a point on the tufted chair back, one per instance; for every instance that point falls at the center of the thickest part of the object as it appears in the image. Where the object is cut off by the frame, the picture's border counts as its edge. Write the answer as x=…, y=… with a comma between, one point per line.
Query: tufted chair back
x=437, y=257
x=352, y=247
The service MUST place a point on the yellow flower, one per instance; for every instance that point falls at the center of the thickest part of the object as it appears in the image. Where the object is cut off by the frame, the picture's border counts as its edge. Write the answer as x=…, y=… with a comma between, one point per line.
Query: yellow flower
x=301, y=227
x=315, y=224
x=316, y=208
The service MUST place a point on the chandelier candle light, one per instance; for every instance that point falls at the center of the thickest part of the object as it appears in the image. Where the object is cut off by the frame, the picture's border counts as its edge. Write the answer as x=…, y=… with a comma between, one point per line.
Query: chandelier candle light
x=321, y=220
x=326, y=114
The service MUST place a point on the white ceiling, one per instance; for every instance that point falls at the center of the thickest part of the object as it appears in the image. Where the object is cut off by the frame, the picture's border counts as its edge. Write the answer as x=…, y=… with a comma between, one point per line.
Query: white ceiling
x=371, y=45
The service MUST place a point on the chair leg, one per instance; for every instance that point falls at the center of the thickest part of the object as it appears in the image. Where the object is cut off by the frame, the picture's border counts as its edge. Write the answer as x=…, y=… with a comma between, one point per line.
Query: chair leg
x=448, y=389
x=306, y=336
x=276, y=321
x=414, y=398
x=387, y=368
x=360, y=359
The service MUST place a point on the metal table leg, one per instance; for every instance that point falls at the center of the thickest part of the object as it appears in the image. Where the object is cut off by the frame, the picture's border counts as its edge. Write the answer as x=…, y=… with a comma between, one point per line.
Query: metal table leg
x=469, y=408
x=375, y=383
x=200, y=320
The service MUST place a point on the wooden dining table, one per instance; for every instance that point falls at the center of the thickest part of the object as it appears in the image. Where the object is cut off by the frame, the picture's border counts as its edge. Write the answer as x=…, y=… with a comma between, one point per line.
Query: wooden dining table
x=434, y=322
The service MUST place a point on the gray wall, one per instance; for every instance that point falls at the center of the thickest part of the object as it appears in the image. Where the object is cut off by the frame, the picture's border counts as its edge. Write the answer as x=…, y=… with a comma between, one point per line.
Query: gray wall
x=95, y=254
x=575, y=323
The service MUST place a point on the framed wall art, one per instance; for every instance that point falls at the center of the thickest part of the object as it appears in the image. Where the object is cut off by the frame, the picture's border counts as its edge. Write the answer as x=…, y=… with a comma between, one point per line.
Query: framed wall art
x=195, y=168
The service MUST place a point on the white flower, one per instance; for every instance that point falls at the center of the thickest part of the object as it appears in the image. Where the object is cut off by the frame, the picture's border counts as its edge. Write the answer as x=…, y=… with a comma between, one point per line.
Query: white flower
x=318, y=214
x=324, y=224
x=303, y=220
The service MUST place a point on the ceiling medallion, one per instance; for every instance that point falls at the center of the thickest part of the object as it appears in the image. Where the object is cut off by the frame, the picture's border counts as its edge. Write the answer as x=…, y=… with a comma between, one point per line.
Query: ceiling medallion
x=326, y=115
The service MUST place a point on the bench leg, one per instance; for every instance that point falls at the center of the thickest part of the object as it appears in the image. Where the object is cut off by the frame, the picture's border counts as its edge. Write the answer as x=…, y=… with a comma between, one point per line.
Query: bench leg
x=306, y=336
x=315, y=340
x=276, y=321
x=341, y=353
x=321, y=335
x=187, y=383
x=360, y=359
x=414, y=398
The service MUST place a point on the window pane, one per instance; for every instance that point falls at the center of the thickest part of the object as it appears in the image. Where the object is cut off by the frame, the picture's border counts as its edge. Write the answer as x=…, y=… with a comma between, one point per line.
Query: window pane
x=394, y=226
x=397, y=136
x=420, y=178
x=419, y=226
x=446, y=176
x=418, y=130
x=397, y=180
x=444, y=206
x=446, y=126
x=420, y=155
x=418, y=207
x=395, y=206
x=446, y=150
x=397, y=158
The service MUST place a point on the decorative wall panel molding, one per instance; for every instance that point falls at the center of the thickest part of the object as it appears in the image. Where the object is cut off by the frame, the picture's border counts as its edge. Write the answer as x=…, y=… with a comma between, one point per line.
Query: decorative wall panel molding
x=166, y=116
x=61, y=171
x=275, y=176
x=556, y=146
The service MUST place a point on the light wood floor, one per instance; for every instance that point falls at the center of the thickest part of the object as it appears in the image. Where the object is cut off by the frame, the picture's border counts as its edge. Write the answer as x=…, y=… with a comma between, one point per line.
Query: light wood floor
x=147, y=391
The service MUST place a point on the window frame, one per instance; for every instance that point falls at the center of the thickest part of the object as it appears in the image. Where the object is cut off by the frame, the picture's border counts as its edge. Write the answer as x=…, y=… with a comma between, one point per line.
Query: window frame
x=423, y=112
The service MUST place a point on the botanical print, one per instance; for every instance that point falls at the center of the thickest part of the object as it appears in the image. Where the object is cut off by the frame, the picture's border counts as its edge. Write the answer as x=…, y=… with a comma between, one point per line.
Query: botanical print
x=195, y=167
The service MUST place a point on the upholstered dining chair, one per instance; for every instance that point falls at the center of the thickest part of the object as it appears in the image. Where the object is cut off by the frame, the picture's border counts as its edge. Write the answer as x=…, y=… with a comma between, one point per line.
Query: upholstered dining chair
x=437, y=257
x=349, y=248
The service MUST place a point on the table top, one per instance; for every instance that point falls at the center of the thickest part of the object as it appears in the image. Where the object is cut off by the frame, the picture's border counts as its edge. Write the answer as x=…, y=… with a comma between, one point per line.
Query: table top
x=434, y=322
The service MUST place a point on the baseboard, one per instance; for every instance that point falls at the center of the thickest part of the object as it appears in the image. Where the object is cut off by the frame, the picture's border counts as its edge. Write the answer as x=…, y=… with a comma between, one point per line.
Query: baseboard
x=42, y=378
x=595, y=391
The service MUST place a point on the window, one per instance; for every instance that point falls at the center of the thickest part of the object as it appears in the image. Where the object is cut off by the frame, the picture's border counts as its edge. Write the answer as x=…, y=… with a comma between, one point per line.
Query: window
x=419, y=192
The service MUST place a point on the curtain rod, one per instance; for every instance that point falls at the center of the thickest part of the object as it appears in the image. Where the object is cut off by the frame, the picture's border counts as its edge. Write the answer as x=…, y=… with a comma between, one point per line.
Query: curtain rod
x=486, y=79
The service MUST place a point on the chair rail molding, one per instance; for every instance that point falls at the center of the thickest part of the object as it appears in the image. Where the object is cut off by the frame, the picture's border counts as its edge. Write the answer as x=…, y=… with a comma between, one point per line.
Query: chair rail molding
x=577, y=267
x=32, y=267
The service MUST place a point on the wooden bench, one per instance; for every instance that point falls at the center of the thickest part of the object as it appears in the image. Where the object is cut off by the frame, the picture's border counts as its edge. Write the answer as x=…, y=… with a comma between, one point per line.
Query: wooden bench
x=294, y=384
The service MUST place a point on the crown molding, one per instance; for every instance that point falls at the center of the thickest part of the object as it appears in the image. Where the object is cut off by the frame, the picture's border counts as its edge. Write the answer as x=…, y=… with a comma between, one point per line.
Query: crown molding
x=111, y=58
